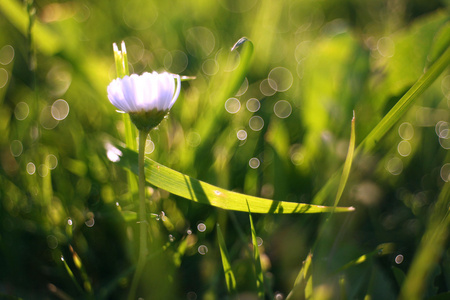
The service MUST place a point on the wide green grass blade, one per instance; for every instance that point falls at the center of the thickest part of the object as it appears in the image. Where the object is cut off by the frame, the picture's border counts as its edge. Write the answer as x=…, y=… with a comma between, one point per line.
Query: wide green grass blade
x=195, y=190
x=230, y=279
x=257, y=260
x=391, y=118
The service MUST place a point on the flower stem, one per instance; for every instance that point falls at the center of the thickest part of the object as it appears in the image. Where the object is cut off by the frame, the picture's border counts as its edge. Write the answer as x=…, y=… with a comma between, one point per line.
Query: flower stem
x=142, y=217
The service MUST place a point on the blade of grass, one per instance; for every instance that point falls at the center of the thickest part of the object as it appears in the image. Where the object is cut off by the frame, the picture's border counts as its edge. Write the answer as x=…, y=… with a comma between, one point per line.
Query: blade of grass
x=69, y=271
x=45, y=40
x=303, y=283
x=192, y=189
x=347, y=164
x=393, y=116
x=399, y=109
x=430, y=250
x=256, y=259
x=230, y=279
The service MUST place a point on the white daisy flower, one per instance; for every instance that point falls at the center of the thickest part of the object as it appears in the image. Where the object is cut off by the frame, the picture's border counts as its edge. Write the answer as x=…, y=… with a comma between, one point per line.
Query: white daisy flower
x=147, y=97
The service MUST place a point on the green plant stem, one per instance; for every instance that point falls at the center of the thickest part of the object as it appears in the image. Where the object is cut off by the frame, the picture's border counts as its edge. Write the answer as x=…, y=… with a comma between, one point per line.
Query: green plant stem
x=142, y=217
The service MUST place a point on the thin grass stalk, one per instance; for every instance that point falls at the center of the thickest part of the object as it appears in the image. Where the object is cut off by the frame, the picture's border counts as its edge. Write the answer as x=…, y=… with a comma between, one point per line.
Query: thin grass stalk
x=142, y=217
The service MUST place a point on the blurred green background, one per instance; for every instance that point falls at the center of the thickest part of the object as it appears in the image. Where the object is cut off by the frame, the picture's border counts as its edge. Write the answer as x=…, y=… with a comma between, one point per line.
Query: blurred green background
x=281, y=136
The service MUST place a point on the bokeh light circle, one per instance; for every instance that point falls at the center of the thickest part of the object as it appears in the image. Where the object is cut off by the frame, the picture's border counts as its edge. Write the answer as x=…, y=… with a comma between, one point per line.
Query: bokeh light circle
x=60, y=109
x=3, y=77
x=445, y=172
x=241, y=135
x=280, y=79
x=254, y=163
x=404, y=148
x=282, y=109
x=232, y=105
x=21, y=111
x=6, y=54
x=256, y=123
x=253, y=105
x=406, y=131
x=16, y=148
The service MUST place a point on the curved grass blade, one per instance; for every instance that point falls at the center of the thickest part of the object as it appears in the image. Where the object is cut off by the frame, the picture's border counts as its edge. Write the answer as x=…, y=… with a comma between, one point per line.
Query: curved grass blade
x=230, y=279
x=431, y=248
x=392, y=117
x=347, y=164
x=303, y=283
x=195, y=190
x=399, y=109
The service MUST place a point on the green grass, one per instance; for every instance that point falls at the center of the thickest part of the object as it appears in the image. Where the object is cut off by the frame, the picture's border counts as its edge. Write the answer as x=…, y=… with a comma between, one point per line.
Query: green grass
x=67, y=182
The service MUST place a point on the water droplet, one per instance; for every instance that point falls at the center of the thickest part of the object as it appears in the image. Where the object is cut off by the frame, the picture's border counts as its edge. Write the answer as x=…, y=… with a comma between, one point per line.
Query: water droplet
x=201, y=227
x=260, y=241
x=253, y=105
x=202, y=249
x=232, y=105
x=31, y=168
x=399, y=259
x=62, y=258
x=162, y=216
x=69, y=222
x=16, y=148
x=254, y=163
x=188, y=232
x=241, y=135
x=171, y=238
x=218, y=193
x=282, y=109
